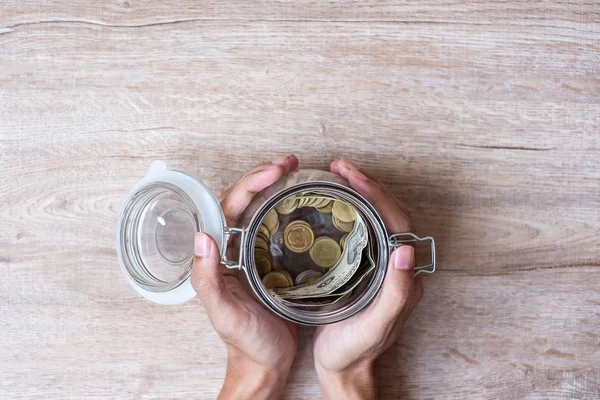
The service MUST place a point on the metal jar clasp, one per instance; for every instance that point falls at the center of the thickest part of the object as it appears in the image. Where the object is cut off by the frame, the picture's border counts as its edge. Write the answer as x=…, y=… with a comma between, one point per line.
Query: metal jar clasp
x=399, y=239
x=228, y=234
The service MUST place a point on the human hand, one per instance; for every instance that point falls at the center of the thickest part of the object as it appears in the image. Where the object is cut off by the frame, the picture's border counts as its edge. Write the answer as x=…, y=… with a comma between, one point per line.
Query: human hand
x=260, y=345
x=345, y=352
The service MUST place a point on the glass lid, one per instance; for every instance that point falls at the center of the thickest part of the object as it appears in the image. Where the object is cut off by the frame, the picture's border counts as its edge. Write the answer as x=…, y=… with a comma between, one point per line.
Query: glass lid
x=156, y=229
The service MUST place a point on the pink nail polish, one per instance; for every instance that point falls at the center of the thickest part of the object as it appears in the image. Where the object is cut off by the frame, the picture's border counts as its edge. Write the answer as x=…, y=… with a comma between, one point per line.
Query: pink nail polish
x=403, y=258
x=202, y=245
x=359, y=175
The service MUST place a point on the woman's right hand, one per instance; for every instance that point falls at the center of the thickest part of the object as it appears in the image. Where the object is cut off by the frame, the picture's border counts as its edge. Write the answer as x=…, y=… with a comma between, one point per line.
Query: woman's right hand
x=345, y=352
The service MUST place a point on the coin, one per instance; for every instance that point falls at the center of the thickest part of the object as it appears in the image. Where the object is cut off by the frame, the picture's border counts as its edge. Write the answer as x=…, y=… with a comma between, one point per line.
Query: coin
x=261, y=243
x=264, y=230
x=326, y=209
x=275, y=228
x=325, y=252
x=271, y=221
x=276, y=279
x=298, y=236
x=263, y=262
x=262, y=235
x=342, y=226
x=286, y=206
x=343, y=211
x=288, y=276
x=303, y=201
x=307, y=276
x=343, y=240
x=262, y=253
x=320, y=202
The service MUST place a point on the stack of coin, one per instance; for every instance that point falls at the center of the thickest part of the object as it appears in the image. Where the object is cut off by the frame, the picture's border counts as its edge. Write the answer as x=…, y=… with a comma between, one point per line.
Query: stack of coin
x=263, y=240
x=271, y=222
x=277, y=279
x=298, y=236
x=312, y=201
x=263, y=261
x=307, y=276
x=325, y=252
x=262, y=251
x=286, y=206
x=342, y=216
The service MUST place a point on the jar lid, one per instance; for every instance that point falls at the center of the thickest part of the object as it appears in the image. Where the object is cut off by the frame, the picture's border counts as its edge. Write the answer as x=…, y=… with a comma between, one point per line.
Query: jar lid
x=156, y=229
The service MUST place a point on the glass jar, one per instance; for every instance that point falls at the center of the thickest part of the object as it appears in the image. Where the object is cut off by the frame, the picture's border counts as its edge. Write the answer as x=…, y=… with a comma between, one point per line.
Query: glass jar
x=158, y=221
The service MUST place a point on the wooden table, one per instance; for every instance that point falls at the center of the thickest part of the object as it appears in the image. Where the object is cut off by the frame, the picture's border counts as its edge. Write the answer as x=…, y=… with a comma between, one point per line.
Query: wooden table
x=483, y=117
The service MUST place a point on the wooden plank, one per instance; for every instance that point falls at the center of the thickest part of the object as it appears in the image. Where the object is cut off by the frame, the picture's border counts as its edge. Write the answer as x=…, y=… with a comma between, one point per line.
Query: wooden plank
x=482, y=117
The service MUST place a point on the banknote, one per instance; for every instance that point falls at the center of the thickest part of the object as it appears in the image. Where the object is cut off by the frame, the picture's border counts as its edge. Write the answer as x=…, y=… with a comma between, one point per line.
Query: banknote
x=340, y=273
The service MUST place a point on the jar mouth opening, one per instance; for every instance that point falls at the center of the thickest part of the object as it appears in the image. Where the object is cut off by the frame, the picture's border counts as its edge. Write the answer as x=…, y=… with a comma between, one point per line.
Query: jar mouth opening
x=361, y=296
x=157, y=227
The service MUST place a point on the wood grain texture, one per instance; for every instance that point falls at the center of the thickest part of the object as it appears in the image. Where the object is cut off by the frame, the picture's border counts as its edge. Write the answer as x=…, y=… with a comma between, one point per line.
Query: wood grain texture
x=482, y=116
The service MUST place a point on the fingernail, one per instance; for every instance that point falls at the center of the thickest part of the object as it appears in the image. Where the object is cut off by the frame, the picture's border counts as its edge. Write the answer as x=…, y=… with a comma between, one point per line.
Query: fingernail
x=359, y=175
x=202, y=245
x=403, y=258
x=279, y=161
x=350, y=164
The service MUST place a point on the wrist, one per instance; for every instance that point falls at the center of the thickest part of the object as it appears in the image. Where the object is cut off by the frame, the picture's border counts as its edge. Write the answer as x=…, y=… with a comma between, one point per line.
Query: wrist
x=246, y=379
x=354, y=382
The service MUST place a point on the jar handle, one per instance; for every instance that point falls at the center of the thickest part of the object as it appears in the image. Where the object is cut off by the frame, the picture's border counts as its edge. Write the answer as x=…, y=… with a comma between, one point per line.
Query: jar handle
x=398, y=239
x=229, y=232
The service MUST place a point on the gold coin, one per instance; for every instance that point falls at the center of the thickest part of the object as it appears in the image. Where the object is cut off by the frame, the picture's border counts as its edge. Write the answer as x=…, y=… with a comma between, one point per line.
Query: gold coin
x=307, y=276
x=326, y=209
x=325, y=252
x=343, y=211
x=271, y=221
x=298, y=236
x=343, y=240
x=342, y=226
x=262, y=252
x=321, y=203
x=264, y=230
x=275, y=229
x=261, y=243
x=302, y=202
x=286, y=206
x=264, y=236
x=288, y=276
x=263, y=262
x=275, y=279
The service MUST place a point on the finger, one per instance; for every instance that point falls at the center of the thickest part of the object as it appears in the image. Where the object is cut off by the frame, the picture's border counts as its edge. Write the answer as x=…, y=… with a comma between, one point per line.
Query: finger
x=288, y=163
x=345, y=167
x=242, y=193
x=207, y=277
x=398, y=286
x=395, y=219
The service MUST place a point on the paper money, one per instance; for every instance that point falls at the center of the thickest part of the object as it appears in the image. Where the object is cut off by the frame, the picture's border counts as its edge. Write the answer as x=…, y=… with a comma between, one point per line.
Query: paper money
x=344, y=292
x=341, y=272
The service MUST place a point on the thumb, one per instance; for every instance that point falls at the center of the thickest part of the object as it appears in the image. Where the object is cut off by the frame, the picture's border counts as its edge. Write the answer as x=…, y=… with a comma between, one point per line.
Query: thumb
x=207, y=276
x=398, y=284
